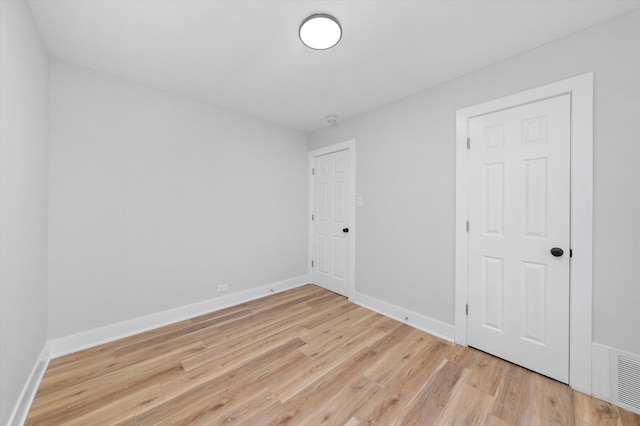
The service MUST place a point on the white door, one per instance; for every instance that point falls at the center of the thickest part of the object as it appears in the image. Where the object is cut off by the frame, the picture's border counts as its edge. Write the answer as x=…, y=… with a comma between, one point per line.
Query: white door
x=519, y=222
x=330, y=252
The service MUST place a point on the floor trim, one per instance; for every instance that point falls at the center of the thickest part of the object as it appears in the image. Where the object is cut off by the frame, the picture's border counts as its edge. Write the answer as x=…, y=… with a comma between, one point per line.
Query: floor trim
x=23, y=404
x=605, y=375
x=600, y=372
x=76, y=342
x=414, y=319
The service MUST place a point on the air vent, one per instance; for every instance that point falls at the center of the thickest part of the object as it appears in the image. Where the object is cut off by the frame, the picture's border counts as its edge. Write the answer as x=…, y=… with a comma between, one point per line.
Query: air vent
x=625, y=375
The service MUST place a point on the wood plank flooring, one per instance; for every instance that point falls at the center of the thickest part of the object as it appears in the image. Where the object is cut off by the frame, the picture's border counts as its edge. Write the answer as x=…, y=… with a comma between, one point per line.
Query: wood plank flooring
x=302, y=357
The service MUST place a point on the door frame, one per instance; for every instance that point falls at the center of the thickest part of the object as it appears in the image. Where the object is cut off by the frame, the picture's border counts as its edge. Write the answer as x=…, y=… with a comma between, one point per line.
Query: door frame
x=580, y=89
x=350, y=146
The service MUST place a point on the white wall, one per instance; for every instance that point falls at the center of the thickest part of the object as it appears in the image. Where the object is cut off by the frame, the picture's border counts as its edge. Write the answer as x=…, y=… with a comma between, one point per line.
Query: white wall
x=157, y=198
x=406, y=174
x=23, y=200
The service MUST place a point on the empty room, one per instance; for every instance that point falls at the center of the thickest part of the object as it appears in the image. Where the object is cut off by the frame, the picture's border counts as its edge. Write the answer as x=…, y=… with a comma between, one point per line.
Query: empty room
x=345, y=212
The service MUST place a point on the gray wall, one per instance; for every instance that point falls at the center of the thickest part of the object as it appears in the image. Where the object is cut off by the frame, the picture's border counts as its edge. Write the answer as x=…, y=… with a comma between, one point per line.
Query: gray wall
x=157, y=198
x=406, y=174
x=23, y=200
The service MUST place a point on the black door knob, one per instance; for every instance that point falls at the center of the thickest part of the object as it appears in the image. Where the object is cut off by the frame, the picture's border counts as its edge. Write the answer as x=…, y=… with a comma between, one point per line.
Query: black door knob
x=557, y=251
x=345, y=230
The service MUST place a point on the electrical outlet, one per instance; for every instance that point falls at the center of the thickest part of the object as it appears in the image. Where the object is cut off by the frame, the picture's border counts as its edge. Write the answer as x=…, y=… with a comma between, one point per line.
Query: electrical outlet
x=222, y=287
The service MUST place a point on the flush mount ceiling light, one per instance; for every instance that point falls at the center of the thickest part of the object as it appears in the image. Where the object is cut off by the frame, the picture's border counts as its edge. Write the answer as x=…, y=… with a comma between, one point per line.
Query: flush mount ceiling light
x=320, y=31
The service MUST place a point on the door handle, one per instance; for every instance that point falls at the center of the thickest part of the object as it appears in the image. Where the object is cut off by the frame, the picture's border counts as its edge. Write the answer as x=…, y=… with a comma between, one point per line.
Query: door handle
x=345, y=230
x=557, y=251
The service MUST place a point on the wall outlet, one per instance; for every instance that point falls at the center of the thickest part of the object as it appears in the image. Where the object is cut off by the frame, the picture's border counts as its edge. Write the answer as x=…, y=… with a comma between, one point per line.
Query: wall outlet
x=359, y=202
x=222, y=287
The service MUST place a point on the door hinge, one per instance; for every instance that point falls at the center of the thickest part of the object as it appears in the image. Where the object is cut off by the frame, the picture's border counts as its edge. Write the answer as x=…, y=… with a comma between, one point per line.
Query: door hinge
x=570, y=252
x=468, y=143
x=312, y=263
x=467, y=309
x=313, y=171
x=467, y=226
x=312, y=217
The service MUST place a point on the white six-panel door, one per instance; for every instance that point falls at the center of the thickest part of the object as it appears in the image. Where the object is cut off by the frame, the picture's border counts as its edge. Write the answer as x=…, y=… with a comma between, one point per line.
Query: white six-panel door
x=330, y=246
x=519, y=210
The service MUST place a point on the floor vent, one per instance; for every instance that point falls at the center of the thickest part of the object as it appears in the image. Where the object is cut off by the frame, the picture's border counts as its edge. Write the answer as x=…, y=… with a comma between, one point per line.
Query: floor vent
x=625, y=374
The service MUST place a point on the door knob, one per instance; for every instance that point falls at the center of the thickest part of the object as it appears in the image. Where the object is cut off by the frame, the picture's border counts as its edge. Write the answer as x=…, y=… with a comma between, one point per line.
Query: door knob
x=557, y=251
x=345, y=230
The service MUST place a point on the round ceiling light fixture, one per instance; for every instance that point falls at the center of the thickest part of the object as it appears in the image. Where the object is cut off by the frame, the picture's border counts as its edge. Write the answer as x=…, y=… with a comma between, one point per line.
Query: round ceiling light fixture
x=320, y=31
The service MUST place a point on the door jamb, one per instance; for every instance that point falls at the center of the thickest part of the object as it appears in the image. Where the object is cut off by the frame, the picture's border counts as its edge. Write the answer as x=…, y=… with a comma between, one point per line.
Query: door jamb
x=350, y=146
x=580, y=318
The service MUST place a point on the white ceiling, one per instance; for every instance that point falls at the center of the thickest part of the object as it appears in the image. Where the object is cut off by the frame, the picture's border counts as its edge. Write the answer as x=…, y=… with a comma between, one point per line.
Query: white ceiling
x=246, y=55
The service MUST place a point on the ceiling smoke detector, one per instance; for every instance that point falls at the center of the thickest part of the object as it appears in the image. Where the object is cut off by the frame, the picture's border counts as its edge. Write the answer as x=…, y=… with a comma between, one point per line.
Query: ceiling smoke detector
x=332, y=119
x=320, y=31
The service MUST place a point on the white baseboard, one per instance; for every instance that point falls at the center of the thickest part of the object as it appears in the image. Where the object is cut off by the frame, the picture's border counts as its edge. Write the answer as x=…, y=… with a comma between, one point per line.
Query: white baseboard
x=416, y=320
x=600, y=371
x=76, y=342
x=21, y=409
x=606, y=372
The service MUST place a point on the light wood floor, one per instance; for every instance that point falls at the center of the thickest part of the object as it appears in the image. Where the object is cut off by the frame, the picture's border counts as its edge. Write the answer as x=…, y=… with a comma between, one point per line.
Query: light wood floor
x=302, y=357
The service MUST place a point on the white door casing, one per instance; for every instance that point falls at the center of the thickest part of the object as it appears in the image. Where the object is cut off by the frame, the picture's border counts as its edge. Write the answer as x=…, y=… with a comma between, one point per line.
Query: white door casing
x=519, y=209
x=580, y=90
x=332, y=204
